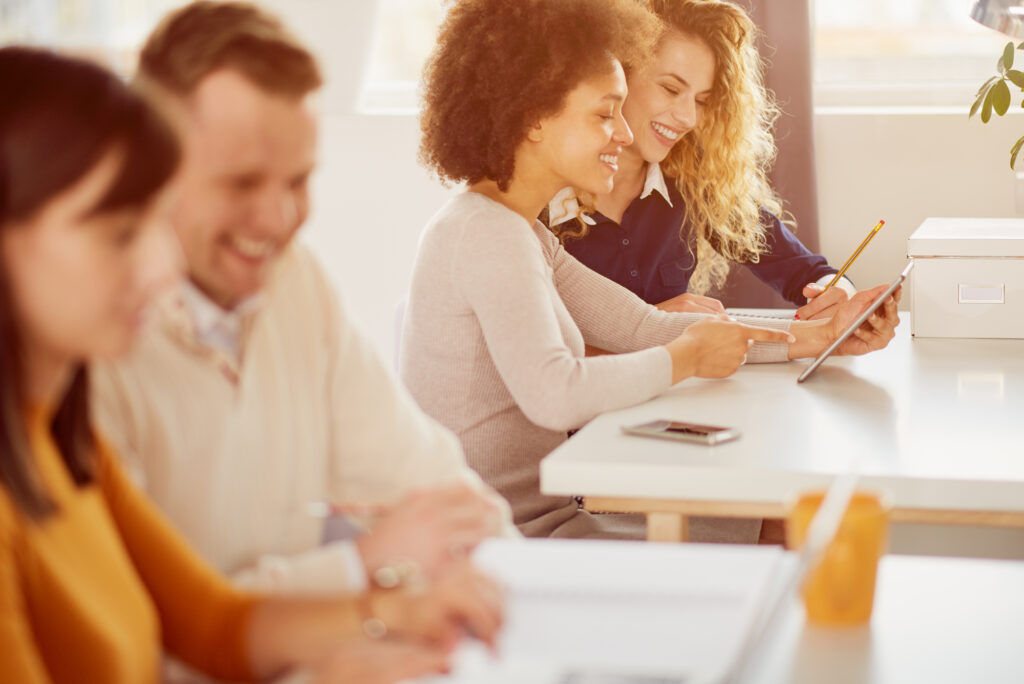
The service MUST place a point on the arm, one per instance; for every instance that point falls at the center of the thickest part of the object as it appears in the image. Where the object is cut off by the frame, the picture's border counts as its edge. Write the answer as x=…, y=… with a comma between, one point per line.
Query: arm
x=613, y=318
x=501, y=273
x=786, y=265
x=19, y=659
x=227, y=634
x=115, y=402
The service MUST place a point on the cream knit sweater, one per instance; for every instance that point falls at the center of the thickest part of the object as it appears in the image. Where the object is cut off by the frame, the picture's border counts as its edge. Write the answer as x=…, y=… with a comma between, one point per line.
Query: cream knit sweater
x=493, y=348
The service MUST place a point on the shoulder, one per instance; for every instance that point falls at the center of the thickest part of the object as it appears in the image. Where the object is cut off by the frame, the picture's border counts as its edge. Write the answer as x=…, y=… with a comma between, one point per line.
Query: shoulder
x=476, y=227
x=469, y=213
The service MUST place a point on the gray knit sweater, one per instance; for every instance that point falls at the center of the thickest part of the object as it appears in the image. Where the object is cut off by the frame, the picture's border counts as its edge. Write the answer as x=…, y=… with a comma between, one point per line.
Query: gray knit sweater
x=493, y=348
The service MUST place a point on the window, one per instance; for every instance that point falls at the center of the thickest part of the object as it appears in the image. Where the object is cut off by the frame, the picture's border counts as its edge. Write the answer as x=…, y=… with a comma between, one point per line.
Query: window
x=900, y=52
x=406, y=31
x=109, y=31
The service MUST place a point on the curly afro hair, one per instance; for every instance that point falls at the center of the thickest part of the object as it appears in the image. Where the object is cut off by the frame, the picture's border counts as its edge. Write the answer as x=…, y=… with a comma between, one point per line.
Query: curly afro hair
x=500, y=66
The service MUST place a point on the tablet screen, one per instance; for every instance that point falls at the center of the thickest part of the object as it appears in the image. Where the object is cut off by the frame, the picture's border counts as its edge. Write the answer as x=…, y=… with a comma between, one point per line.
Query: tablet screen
x=856, y=324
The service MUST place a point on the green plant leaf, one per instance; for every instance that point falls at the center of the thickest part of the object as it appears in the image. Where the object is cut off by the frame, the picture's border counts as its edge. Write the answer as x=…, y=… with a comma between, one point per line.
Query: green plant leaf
x=987, y=84
x=1008, y=56
x=1017, y=77
x=1015, y=150
x=977, y=104
x=1020, y=45
x=1000, y=97
x=986, y=107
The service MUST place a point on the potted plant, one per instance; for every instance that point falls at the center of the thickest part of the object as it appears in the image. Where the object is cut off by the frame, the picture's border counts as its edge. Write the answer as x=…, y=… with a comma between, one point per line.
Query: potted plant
x=994, y=94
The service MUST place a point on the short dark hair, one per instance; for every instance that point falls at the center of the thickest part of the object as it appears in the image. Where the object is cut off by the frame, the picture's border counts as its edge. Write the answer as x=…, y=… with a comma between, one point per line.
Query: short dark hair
x=202, y=37
x=500, y=66
x=59, y=117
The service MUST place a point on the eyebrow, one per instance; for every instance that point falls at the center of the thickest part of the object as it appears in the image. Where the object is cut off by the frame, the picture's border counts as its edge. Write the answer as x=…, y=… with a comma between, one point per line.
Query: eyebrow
x=683, y=81
x=613, y=96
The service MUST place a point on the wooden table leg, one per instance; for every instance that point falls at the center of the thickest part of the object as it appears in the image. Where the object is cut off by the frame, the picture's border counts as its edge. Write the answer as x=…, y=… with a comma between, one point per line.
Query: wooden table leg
x=667, y=527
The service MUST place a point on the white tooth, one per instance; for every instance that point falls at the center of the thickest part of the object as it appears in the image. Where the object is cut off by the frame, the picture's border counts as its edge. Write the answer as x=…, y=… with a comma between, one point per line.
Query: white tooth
x=251, y=248
x=670, y=134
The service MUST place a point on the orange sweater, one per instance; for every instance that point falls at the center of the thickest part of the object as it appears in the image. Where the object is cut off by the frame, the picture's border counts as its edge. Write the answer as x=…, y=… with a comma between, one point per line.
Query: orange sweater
x=89, y=594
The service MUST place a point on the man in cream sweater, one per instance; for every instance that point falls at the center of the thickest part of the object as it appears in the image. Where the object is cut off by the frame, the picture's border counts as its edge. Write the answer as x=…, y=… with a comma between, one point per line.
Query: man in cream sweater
x=253, y=406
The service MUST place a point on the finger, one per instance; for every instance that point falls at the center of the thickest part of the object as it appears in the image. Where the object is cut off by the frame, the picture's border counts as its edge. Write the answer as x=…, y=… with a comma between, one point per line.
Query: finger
x=362, y=509
x=818, y=306
x=482, y=609
x=404, y=660
x=710, y=303
x=812, y=290
x=767, y=334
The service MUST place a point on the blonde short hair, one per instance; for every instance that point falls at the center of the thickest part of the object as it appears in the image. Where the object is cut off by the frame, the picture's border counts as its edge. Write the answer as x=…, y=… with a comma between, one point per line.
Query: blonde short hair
x=202, y=37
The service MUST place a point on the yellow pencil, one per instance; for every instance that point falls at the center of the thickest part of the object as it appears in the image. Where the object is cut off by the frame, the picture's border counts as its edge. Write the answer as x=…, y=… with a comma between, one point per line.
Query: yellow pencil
x=854, y=256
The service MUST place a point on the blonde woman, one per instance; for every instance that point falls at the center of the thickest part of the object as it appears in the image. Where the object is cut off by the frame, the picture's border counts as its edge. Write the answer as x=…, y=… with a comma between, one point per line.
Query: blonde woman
x=692, y=196
x=521, y=100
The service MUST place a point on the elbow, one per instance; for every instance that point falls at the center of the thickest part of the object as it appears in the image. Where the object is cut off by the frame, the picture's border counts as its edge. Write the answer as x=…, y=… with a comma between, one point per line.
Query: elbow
x=553, y=411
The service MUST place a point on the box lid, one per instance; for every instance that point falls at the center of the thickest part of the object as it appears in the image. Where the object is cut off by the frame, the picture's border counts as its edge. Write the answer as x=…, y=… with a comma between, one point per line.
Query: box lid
x=968, y=237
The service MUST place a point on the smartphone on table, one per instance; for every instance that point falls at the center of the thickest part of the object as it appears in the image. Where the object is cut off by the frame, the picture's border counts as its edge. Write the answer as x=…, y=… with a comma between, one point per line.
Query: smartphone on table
x=682, y=431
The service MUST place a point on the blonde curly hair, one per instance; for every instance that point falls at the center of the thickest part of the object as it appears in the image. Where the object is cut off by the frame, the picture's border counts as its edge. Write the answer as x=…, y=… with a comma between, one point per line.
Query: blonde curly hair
x=721, y=168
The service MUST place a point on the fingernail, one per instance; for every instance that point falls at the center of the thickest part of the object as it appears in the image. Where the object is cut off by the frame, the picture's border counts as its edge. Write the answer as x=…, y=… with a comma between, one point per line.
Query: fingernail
x=796, y=316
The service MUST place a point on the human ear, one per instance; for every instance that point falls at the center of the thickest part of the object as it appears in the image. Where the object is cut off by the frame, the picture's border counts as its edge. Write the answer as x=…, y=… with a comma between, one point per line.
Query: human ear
x=535, y=133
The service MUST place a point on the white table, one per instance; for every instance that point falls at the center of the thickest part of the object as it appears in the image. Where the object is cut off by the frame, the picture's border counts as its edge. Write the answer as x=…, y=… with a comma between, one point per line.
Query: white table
x=936, y=620
x=938, y=424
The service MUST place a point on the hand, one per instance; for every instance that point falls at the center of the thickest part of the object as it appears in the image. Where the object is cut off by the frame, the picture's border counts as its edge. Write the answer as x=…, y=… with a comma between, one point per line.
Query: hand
x=462, y=601
x=822, y=304
x=716, y=347
x=692, y=303
x=430, y=528
x=877, y=331
x=380, y=662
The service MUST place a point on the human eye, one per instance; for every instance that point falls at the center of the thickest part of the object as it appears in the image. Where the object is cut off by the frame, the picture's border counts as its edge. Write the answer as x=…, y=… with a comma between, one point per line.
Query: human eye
x=670, y=90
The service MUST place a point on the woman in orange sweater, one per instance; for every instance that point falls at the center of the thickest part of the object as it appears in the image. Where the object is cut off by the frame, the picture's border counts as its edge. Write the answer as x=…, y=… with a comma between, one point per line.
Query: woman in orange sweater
x=93, y=581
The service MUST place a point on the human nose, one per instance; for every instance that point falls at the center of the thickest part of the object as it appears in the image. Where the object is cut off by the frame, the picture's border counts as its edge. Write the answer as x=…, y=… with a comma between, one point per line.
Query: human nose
x=685, y=112
x=622, y=133
x=276, y=213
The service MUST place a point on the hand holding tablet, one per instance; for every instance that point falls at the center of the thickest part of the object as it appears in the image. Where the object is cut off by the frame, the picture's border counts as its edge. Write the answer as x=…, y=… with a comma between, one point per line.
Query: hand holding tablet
x=851, y=329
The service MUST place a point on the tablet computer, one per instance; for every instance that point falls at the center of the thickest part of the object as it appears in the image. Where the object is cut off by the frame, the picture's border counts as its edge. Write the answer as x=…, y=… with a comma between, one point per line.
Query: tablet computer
x=856, y=324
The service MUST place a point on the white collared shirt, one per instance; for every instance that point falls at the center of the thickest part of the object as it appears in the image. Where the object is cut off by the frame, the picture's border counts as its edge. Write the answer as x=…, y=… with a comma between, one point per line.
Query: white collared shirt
x=214, y=326
x=565, y=206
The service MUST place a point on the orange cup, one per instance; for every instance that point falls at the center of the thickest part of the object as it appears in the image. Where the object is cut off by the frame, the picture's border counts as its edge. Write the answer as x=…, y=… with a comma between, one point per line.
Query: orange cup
x=840, y=590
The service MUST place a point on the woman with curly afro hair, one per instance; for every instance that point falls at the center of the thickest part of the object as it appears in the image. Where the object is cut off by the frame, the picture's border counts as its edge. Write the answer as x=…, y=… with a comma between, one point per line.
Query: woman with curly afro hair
x=692, y=195
x=522, y=99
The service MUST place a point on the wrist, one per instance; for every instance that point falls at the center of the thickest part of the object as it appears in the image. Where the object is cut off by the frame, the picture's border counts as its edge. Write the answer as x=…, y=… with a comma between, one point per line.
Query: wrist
x=680, y=351
x=388, y=573
x=811, y=338
x=375, y=619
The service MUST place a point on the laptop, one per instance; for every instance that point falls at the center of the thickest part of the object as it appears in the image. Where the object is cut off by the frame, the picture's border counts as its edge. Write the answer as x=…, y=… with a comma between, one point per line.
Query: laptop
x=614, y=612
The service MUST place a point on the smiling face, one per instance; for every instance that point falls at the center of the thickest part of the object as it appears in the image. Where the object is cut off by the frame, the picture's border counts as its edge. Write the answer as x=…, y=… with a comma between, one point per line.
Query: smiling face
x=80, y=280
x=667, y=97
x=244, y=194
x=581, y=144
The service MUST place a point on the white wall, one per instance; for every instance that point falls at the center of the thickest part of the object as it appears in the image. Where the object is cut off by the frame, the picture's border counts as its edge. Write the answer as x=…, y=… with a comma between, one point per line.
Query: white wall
x=371, y=198
x=904, y=166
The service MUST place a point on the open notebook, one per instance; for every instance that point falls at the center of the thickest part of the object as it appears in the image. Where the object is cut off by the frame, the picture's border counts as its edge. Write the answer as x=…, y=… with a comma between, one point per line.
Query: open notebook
x=605, y=612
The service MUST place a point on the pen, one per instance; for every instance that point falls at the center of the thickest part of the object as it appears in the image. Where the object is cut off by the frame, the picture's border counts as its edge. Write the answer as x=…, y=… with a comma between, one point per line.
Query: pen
x=854, y=256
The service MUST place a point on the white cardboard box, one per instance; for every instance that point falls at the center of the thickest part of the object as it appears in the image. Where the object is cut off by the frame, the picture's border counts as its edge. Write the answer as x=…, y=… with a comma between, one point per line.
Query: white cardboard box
x=968, y=278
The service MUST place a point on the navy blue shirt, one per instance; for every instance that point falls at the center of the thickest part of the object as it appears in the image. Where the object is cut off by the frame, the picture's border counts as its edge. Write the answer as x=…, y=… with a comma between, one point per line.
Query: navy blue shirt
x=646, y=255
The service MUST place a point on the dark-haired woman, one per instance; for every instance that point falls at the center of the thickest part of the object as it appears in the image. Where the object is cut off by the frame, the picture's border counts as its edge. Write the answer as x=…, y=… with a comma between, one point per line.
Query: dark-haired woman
x=521, y=100
x=92, y=580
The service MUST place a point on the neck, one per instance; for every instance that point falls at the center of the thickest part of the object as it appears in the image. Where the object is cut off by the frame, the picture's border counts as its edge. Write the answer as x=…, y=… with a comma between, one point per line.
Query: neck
x=525, y=199
x=629, y=184
x=47, y=376
x=632, y=169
